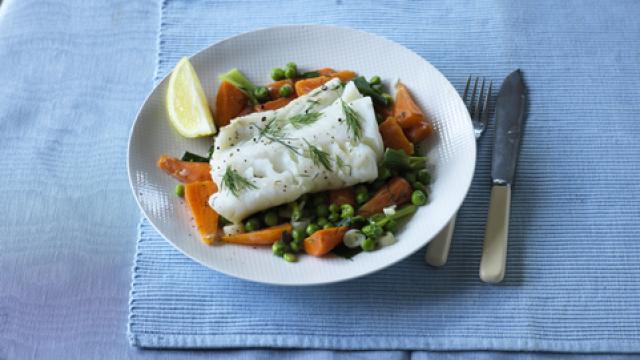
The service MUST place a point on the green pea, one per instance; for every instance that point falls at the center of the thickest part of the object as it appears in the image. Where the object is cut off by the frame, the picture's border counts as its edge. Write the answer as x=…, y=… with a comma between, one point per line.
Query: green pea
x=290, y=257
x=277, y=74
x=270, y=218
x=375, y=80
x=384, y=173
x=311, y=228
x=179, y=190
x=361, y=189
x=322, y=210
x=293, y=65
x=322, y=221
x=296, y=213
x=417, y=185
x=388, y=97
x=424, y=176
x=285, y=91
x=368, y=244
x=362, y=198
x=373, y=231
x=418, y=198
x=334, y=216
x=328, y=225
x=334, y=208
x=252, y=224
x=290, y=72
x=294, y=246
x=261, y=93
x=299, y=234
x=410, y=177
x=278, y=247
x=347, y=211
x=392, y=226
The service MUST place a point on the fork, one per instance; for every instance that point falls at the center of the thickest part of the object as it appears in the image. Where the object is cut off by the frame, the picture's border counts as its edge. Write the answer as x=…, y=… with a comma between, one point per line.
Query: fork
x=438, y=249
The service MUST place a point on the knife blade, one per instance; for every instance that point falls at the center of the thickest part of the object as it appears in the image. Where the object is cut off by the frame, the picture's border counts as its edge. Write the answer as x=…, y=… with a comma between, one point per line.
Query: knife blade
x=510, y=115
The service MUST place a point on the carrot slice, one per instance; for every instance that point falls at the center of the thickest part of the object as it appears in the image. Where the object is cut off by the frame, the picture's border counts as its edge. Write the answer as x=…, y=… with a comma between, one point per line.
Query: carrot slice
x=260, y=237
x=185, y=171
x=304, y=86
x=323, y=241
x=343, y=75
x=396, y=192
x=393, y=136
x=230, y=101
x=405, y=110
x=327, y=71
x=419, y=132
x=196, y=195
x=342, y=196
x=274, y=88
x=273, y=104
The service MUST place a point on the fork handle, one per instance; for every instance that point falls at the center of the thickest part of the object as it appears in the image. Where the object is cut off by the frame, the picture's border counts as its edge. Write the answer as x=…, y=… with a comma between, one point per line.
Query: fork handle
x=438, y=249
x=494, y=249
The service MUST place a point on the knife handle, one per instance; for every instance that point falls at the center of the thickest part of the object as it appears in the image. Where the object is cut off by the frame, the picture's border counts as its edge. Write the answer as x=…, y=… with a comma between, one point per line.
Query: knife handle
x=494, y=249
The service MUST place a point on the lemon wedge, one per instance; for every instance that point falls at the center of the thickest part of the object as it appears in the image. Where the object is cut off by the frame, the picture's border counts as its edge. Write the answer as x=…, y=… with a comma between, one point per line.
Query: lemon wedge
x=187, y=105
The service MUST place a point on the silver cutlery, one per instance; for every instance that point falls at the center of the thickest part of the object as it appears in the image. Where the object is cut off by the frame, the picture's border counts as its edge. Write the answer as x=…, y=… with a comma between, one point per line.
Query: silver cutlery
x=510, y=115
x=438, y=249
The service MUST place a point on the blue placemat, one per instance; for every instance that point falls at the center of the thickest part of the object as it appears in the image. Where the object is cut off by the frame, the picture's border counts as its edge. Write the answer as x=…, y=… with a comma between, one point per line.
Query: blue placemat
x=573, y=278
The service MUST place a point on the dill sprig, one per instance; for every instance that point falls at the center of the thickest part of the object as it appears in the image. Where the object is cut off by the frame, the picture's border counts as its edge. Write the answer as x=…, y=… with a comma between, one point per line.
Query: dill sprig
x=235, y=182
x=275, y=133
x=352, y=119
x=342, y=165
x=301, y=120
x=319, y=157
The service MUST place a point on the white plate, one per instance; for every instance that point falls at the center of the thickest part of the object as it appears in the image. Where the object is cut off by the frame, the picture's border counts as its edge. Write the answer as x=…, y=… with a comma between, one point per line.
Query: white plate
x=452, y=151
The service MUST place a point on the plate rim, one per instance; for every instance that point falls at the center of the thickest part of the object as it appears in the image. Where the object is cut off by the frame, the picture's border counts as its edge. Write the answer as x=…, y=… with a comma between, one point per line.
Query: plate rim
x=199, y=52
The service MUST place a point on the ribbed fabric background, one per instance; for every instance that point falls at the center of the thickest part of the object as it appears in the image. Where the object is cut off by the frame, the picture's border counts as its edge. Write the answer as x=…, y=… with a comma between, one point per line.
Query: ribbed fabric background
x=573, y=278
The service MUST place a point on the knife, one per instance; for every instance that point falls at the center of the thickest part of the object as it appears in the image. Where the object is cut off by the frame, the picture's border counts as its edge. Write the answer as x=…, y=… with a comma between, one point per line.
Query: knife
x=510, y=115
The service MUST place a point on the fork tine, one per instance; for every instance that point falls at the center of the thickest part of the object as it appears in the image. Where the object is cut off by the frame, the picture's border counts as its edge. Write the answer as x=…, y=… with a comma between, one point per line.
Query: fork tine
x=476, y=111
x=485, y=113
x=466, y=90
x=473, y=96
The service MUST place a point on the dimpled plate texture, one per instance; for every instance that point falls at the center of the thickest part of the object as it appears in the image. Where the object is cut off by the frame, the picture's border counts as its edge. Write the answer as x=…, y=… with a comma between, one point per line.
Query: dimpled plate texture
x=451, y=151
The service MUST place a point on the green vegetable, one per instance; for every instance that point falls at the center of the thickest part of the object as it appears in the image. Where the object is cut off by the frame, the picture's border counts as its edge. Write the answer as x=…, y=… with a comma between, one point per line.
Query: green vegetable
x=237, y=79
x=347, y=211
x=384, y=173
x=399, y=214
x=277, y=74
x=261, y=93
x=410, y=177
x=290, y=72
x=252, y=224
x=278, y=248
x=368, y=244
x=418, y=198
x=296, y=212
x=424, y=176
x=334, y=208
x=311, y=228
x=362, y=198
x=299, y=234
x=399, y=160
x=270, y=218
x=289, y=257
x=292, y=65
x=387, y=97
x=417, y=185
x=334, y=216
x=361, y=189
x=295, y=246
x=285, y=91
x=309, y=74
x=189, y=156
x=180, y=190
x=373, y=230
x=322, y=210
x=327, y=225
x=392, y=226
x=322, y=221
x=375, y=80
x=365, y=89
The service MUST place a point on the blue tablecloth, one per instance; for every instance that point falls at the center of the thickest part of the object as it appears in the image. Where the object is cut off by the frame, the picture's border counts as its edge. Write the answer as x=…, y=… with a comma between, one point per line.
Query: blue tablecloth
x=73, y=75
